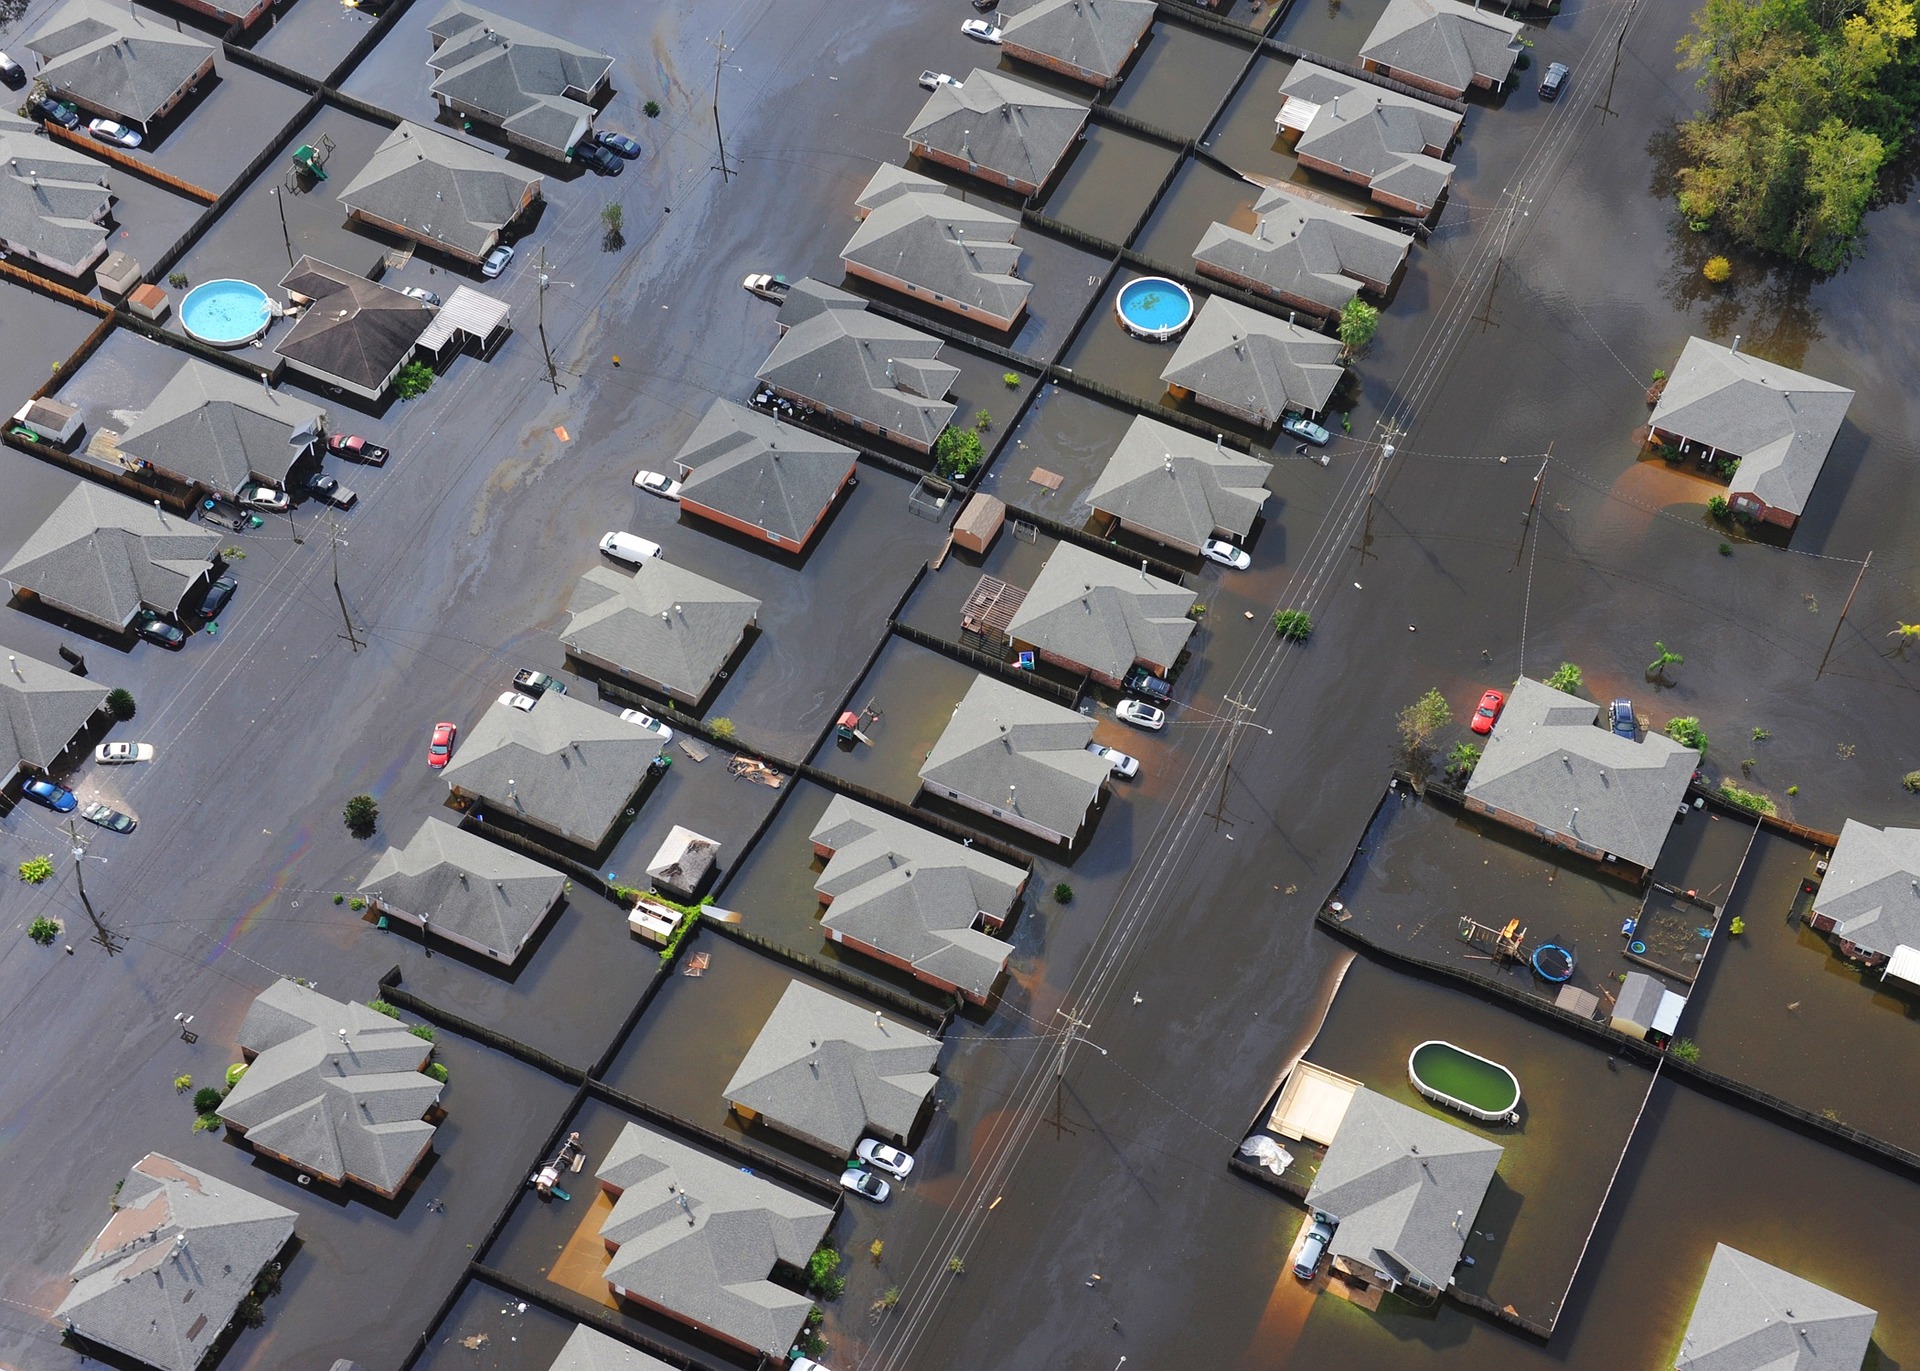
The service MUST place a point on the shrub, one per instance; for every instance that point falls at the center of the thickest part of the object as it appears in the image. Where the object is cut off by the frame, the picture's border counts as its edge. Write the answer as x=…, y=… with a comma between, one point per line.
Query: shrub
x=206, y=1123
x=356, y=904
x=1717, y=269
x=958, y=454
x=1686, y=1049
x=1911, y=781
x=1423, y=718
x=234, y=1073
x=723, y=729
x=43, y=931
x=889, y=1299
x=361, y=814
x=382, y=1007
x=1295, y=625
x=651, y=109
x=1726, y=549
x=1687, y=732
x=875, y=1248
x=251, y=1313
x=1795, y=790
x=177, y=279
x=120, y=703
x=207, y=1099
x=956, y=1267
x=1749, y=800
x=182, y=1084
x=1664, y=657
x=1727, y=467
x=1463, y=758
x=1760, y=735
x=36, y=869
x=1659, y=374
x=822, y=1267
x=1012, y=379
x=422, y=1030
x=339, y=899
x=1717, y=506
x=437, y=1072
x=1063, y=893
x=982, y=420
x=1566, y=677
x=689, y=920
x=415, y=379
x=1736, y=927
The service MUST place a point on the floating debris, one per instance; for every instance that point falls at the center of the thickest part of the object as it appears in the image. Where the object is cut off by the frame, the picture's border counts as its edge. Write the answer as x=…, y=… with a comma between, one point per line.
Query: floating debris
x=697, y=964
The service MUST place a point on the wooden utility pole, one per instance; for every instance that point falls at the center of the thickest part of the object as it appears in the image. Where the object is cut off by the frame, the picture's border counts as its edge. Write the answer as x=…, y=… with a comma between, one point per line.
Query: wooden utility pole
x=339, y=594
x=100, y=933
x=553, y=374
x=1219, y=811
x=1526, y=520
x=1843, y=616
x=720, y=51
x=1067, y=1040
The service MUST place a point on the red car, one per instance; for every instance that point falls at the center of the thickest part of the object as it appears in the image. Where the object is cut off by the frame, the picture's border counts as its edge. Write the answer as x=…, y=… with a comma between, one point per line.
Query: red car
x=355, y=448
x=1490, y=706
x=441, y=748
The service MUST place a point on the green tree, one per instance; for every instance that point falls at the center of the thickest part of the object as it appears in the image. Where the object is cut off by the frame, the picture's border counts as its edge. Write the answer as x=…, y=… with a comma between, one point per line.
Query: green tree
x=1566, y=677
x=1462, y=759
x=613, y=223
x=415, y=379
x=1418, y=723
x=1359, y=321
x=207, y=1099
x=120, y=703
x=43, y=931
x=1293, y=624
x=361, y=814
x=1664, y=657
x=958, y=454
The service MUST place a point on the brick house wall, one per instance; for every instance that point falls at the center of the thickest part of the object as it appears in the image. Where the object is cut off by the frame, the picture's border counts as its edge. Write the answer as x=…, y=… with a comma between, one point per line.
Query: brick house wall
x=852, y=420
x=976, y=170
x=906, y=287
x=1060, y=67
x=1432, y=87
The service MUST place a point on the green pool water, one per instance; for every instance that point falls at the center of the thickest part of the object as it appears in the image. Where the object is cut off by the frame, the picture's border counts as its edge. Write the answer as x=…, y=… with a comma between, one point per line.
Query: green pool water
x=1467, y=1078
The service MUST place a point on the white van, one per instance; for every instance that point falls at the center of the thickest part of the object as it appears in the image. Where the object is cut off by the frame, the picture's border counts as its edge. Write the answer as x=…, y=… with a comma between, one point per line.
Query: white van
x=628, y=548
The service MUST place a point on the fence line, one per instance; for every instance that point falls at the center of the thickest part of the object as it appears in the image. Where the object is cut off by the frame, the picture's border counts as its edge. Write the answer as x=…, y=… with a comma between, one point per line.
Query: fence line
x=979, y=661
x=557, y=1299
x=811, y=1183
x=843, y=976
x=1106, y=114
x=400, y=997
x=1107, y=546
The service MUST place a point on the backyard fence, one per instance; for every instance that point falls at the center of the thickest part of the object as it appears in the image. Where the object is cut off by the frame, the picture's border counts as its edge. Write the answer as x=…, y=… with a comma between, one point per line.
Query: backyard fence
x=400, y=997
x=986, y=665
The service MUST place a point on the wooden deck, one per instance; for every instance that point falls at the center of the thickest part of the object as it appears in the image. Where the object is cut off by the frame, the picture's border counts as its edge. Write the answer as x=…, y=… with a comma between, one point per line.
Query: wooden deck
x=990, y=608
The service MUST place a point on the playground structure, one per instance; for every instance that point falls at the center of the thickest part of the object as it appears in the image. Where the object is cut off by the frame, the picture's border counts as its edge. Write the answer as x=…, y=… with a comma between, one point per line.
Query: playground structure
x=309, y=165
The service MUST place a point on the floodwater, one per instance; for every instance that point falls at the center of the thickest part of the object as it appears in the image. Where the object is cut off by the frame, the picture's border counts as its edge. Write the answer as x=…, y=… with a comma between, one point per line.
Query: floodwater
x=1066, y=434
x=915, y=689
x=1179, y=76
x=1332, y=28
x=488, y=1330
x=1108, y=183
x=1200, y=196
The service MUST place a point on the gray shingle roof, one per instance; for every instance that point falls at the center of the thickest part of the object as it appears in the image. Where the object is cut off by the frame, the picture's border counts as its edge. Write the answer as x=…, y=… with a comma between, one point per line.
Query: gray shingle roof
x=1780, y=422
x=339, y=1109
x=42, y=709
x=1445, y=42
x=442, y=188
x=1395, y=1177
x=661, y=622
x=1103, y=614
x=808, y=297
x=827, y=1070
x=1872, y=887
x=161, y=1281
x=355, y=330
x=698, y=1236
x=883, y=373
x=1007, y=748
x=1376, y=133
x=52, y=197
x=1305, y=249
x=108, y=56
x=467, y=886
x=1252, y=361
x=536, y=85
x=1180, y=486
x=1751, y=1316
x=588, y=1349
x=223, y=430
x=103, y=555
x=940, y=243
x=1639, y=998
x=1095, y=35
x=1547, y=763
x=747, y=464
x=1000, y=125
x=914, y=894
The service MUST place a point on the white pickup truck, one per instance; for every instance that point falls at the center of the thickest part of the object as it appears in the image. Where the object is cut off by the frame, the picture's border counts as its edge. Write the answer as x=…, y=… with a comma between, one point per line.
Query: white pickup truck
x=767, y=287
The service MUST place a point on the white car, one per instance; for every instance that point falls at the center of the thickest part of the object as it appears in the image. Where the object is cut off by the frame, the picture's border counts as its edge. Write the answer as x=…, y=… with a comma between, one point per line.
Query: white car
x=496, y=261
x=109, y=131
x=933, y=80
x=264, y=497
x=1141, y=715
x=865, y=1184
x=1125, y=768
x=985, y=30
x=513, y=699
x=649, y=723
x=115, y=754
x=884, y=1158
x=654, y=483
x=1221, y=551
x=422, y=294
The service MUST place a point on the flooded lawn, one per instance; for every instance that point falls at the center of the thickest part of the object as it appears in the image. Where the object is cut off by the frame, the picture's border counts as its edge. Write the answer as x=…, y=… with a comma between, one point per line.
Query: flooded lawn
x=937, y=603
x=982, y=387
x=42, y=334
x=486, y=1330
x=1332, y=28
x=1179, y=77
x=1109, y=183
x=702, y=796
x=1200, y=196
x=1064, y=276
x=147, y=219
x=1067, y=434
x=915, y=689
x=313, y=37
x=1105, y=352
x=209, y=139
x=1244, y=136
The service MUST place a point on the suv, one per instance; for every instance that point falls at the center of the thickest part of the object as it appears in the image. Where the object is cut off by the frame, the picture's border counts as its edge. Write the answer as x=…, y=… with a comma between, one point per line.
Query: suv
x=12, y=72
x=53, y=112
x=1312, y=1249
x=1554, y=81
x=1140, y=681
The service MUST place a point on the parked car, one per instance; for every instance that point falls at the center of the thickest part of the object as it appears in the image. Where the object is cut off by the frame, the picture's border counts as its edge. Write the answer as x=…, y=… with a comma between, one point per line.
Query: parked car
x=324, y=487
x=496, y=261
x=933, y=80
x=440, y=746
x=1221, y=551
x=865, y=1184
x=51, y=110
x=1141, y=715
x=157, y=630
x=1555, y=80
x=107, y=817
x=357, y=449
x=1140, y=681
x=617, y=143
x=118, y=754
x=888, y=1159
x=767, y=286
x=1487, y=711
x=530, y=682
x=1304, y=428
x=986, y=6
x=1313, y=1249
x=1621, y=714
x=1125, y=768
x=114, y=132
x=513, y=699
x=654, y=483
x=217, y=596
x=598, y=158
x=649, y=724
x=59, y=799
x=257, y=496
x=422, y=294
x=806, y=1364
x=628, y=548
x=12, y=72
x=981, y=30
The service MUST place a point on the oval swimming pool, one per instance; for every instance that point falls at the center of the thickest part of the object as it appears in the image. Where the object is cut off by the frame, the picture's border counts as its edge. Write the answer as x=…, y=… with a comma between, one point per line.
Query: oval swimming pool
x=1466, y=1081
x=1154, y=308
x=226, y=313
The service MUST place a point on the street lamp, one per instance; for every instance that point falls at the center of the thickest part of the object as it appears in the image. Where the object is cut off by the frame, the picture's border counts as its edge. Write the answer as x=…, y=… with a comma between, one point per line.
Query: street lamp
x=285, y=237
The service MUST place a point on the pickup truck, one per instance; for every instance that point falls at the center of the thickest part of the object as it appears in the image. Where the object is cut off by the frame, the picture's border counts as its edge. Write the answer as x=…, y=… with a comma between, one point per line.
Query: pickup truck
x=324, y=487
x=767, y=287
x=532, y=682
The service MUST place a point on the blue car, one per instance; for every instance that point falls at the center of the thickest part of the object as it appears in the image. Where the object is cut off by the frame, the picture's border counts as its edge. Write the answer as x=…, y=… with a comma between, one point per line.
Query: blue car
x=1621, y=713
x=1302, y=427
x=55, y=797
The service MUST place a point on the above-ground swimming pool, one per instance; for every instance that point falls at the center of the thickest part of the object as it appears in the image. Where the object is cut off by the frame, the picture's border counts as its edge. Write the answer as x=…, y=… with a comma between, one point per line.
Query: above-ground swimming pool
x=226, y=313
x=1465, y=1081
x=1153, y=307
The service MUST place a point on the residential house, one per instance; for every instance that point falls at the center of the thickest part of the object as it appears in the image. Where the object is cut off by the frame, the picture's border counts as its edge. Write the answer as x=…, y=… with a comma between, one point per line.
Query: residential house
x=1253, y=366
x=808, y=297
x=1017, y=758
x=218, y=430
x=1548, y=770
x=164, y=1278
x=565, y=766
x=828, y=1072
x=1443, y=46
x=1752, y=1316
x=1086, y=612
x=1778, y=423
x=1405, y=1187
x=351, y=332
x=1868, y=903
x=1086, y=40
x=333, y=1089
x=747, y=471
x=683, y=864
x=43, y=710
x=1003, y=131
x=459, y=886
x=538, y=90
x=104, y=557
x=1179, y=489
x=588, y=1349
x=917, y=238
x=108, y=60
x=1303, y=253
x=1390, y=144
x=660, y=626
x=861, y=369
x=54, y=200
x=697, y=1237
x=913, y=899
x=440, y=191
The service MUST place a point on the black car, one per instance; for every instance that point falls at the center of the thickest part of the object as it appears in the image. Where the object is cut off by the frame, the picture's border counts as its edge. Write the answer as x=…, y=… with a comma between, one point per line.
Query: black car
x=53, y=112
x=617, y=143
x=599, y=158
x=1554, y=81
x=217, y=596
x=986, y=6
x=12, y=72
x=1144, y=683
x=157, y=630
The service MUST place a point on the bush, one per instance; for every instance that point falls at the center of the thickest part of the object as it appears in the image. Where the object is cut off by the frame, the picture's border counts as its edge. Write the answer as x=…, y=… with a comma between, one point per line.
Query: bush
x=356, y=904
x=437, y=1072
x=422, y=1030
x=1566, y=677
x=206, y=1123
x=822, y=1268
x=207, y=1099
x=958, y=454
x=1911, y=781
x=43, y=931
x=982, y=420
x=1687, y=732
x=956, y=1267
x=234, y=1073
x=177, y=279
x=339, y=899
x=1717, y=506
x=251, y=1313
x=1686, y=1049
x=382, y=1007
x=361, y=814
x=651, y=109
x=415, y=379
x=1463, y=758
x=1012, y=379
x=1359, y=321
x=875, y=1248
x=1063, y=893
x=182, y=1084
x=1295, y=625
x=1423, y=718
x=1717, y=269
x=723, y=729
x=1749, y=800
x=120, y=703
x=36, y=869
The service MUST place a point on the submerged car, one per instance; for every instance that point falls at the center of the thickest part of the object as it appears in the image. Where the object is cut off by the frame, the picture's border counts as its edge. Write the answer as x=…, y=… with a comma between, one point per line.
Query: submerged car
x=865, y=1184
x=51, y=110
x=513, y=699
x=768, y=286
x=496, y=261
x=257, y=496
x=617, y=143
x=1555, y=80
x=1226, y=554
x=157, y=630
x=107, y=817
x=422, y=294
x=324, y=487
x=1140, y=681
x=981, y=30
x=1141, y=715
x=888, y=1159
x=1304, y=428
x=1487, y=711
x=1313, y=1249
x=933, y=80
x=51, y=794
x=655, y=483
x=217, y=596
x=1620, y=712
x=357, y=449
x=1124, y=767
x=119, y=754
x=600, y=158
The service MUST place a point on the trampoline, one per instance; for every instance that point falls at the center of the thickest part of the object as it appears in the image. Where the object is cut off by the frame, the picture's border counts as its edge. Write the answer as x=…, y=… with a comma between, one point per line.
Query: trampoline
x=1553, y=962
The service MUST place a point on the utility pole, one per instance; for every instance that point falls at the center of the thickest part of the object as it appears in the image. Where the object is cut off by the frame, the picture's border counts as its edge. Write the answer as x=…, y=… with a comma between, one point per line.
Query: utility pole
x=1240, y=708
x=339, y=594
x=1373, y=487
x=1843, y=616
x=553, y=374
x=1526, y=520
x=285, y=237
x=1067, y=1040
x=100, y=933
x=1606, y=106
x=720, y=51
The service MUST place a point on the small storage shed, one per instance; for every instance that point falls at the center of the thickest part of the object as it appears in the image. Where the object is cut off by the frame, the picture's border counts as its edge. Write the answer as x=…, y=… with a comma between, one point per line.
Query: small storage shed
x=1645, y=1008
x=979, y=523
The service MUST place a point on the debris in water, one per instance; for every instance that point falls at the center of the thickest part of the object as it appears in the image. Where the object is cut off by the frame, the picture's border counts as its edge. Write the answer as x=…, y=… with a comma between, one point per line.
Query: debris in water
x=476, y=1341
x=697, y=963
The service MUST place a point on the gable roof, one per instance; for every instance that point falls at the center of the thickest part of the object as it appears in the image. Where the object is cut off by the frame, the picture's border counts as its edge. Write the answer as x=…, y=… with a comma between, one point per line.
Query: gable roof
x=1103, y=614
x=1396, y=1177
x=467, y=886
x=1872, y=887
x=1306, y=249
x=572, y=765
x=440, y=187
x=536, y=85
x=53, y=197
x=1252, y=361
x=108, y=56
x=1750, y=1316
x=1371, y=131
x=914, y=894
x=881, y=372
x=355, y=330
x=1779, y=422
x=223, y=430
x=104, y=555
x=588, y=1349
x=162, y=1280
x=1179, y=485
x=808, y=297
x=42, y=709
x=1547, y=763
x=1094, y=35
x=698, y=1236
x=1445, y=42
x=1001, y=125
x=661, y=621
x=343, y=1108
x=1007, y=748
x=748, y=465
x=936, y=241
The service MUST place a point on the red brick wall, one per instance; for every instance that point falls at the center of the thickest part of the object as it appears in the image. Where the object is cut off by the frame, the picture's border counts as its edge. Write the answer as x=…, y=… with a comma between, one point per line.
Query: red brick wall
x=1055, y=65
x=983, y=172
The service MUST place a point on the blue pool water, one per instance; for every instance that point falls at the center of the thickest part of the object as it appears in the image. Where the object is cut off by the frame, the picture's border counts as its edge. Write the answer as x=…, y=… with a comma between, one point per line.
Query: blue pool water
x=1154, y=307
x=225, y=313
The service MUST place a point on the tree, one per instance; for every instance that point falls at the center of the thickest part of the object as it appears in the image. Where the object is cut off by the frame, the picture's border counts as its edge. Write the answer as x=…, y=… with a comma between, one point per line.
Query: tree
x=1717, y=269
x=613, y=220
x=207, y=1099
x=958, y=454
x=1359, y=321
x=415, y=379
x=1296, y=625
x=361, y=814
x=1419, y=721
x=43, y=931
x=1566, y=677
x=1462, y=759
x=120, y=703
x=1664, y=658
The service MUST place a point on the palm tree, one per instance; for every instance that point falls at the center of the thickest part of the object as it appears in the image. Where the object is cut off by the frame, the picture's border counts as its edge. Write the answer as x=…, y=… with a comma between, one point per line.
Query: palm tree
x=1657, y=668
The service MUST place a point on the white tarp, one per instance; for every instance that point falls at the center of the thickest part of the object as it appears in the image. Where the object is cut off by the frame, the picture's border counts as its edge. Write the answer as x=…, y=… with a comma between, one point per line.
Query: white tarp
x=1266, y=1152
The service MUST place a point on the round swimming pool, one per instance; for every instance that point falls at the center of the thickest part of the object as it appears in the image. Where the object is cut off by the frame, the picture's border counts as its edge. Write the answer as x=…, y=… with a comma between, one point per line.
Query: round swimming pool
x=226, y=313
x=1466, y=1081
x=1153, y=307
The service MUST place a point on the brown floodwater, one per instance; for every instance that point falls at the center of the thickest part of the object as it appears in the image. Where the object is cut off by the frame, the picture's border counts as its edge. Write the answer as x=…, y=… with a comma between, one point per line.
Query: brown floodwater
x=1179, y=76
x=1109, y=183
